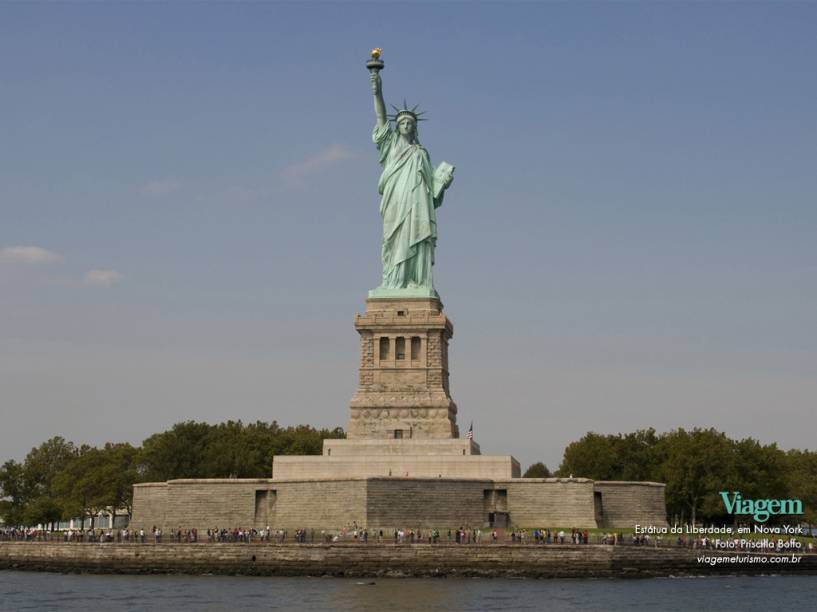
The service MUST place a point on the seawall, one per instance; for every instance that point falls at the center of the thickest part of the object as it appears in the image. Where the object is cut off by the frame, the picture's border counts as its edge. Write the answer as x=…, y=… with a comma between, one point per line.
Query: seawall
x=370, y=560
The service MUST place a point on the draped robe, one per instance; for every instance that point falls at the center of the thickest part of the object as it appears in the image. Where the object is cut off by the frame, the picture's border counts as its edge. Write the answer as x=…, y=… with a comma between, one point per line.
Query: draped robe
x=408, y=211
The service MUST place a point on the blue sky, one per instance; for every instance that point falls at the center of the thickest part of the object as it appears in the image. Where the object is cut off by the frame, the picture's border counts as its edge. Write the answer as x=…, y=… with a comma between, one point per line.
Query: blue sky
x=188, y=214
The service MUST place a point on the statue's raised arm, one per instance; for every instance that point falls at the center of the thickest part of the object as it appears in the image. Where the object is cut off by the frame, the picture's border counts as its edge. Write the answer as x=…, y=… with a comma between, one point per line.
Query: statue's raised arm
x=375, y=65
x=379, y=105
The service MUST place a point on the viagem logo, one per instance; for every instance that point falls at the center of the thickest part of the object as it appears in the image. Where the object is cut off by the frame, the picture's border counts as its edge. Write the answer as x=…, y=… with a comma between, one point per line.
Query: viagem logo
x=760, y=509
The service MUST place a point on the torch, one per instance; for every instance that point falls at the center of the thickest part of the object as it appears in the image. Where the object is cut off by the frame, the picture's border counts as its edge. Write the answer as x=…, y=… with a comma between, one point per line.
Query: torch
x=375, y=64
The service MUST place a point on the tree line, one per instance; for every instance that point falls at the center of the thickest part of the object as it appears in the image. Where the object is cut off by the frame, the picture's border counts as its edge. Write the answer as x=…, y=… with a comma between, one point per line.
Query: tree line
x=696, y=466
x=60, y=480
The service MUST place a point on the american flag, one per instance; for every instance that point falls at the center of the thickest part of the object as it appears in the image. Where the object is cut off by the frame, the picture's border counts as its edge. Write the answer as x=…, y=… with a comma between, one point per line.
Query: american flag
x=470, y=434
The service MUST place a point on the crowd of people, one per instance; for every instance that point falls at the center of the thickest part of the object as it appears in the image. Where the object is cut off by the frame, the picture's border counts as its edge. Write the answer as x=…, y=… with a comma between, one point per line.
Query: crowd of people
x=551, y=536
x=399, y=536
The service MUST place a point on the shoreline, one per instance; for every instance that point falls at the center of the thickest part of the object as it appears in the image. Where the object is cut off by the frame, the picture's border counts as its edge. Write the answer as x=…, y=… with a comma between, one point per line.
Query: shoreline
x=388, y=560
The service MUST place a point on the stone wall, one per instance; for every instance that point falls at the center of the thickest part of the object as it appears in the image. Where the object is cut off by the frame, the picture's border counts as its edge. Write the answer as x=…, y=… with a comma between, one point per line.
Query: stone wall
x=327, y=504
x=389, y=502
x=229, y=503
x=213, y=503
x=626, y=503
x=492, y=560
x=550, y=502
x=199, y=503
x=149, y=504
x=431, y=503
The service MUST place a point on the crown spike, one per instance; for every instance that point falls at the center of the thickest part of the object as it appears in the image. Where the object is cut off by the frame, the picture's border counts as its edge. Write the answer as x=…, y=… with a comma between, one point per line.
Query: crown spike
x=412, y=112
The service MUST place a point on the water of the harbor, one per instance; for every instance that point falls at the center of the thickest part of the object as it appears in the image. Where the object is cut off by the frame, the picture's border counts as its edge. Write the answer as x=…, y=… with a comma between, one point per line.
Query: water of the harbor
x=61, y=592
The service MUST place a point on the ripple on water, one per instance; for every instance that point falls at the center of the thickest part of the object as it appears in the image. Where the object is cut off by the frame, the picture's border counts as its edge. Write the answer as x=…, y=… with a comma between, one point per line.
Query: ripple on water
x=74, y=593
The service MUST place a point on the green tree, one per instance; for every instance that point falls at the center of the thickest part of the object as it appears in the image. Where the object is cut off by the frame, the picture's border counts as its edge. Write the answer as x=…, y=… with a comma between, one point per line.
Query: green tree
x=82, y=484
x=115, y=472
x=231, y=449
x=761, y=470
x=594, y=456
x=537, y=470
x=176, y=453
x=13, y=494
x=801, y=480
x=635, y=454
x=696, y=465
x=41, y=468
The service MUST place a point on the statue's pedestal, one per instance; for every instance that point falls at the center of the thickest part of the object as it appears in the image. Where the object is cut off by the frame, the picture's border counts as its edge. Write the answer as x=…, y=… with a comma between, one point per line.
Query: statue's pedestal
x=403, y=421
x=343, y=467
x=403, y=390
x=403, y=457
x=457, y=447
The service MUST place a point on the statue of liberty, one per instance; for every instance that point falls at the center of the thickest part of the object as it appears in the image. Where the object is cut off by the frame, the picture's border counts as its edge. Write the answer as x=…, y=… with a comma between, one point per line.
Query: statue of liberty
x=412, y=191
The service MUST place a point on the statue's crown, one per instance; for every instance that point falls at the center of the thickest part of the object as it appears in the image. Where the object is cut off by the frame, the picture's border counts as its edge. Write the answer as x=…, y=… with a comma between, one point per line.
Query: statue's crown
x=412, y=112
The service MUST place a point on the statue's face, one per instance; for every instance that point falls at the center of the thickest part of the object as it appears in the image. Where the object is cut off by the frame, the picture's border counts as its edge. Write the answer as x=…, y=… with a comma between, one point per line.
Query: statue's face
x=406, y=126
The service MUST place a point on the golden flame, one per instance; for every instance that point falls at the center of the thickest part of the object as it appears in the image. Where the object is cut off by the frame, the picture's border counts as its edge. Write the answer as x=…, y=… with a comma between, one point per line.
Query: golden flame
x=376, y=52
